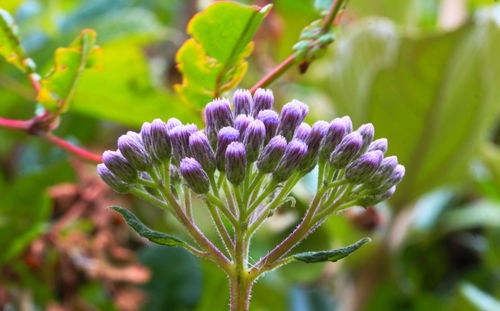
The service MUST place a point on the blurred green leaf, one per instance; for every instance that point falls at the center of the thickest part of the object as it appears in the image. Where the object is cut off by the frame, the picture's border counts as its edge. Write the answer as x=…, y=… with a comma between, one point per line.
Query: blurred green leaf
x=433, y=97
x=69, y=63
x=10, y=44
x=141, y=229
x=332, y=255
x=477, y=214
x=213, y=61
x=176, y=279
x=129, y=97
x=476, y=299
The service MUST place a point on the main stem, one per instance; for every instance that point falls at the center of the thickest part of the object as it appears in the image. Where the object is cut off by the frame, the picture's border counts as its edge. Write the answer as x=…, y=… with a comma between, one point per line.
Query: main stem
x=240, y=282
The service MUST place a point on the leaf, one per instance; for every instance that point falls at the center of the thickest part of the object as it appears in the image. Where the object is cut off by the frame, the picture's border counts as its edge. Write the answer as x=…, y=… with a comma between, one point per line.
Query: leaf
x=332, y=255
x=69, y=63
x=213, y=61
x=478, y=299
x=132, y=97
x=141, y=229
x=10, y=44
x=433, y=97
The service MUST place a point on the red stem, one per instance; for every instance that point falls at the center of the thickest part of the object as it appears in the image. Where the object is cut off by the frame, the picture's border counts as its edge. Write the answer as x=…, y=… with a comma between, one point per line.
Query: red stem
x=15, y=124
x=275, y=73
x=72, y=149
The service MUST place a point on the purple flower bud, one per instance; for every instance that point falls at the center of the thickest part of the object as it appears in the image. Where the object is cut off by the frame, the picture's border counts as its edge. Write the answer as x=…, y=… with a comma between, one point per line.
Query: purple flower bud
x=173, y=122
x=347, y=150
x=191, y=128
x=194, y=175
x=337, y=129
x=241, y=123
x=348, y=123
x=111, y=179
x=372, y=199
x=271, y=121
x=364, y=167
x=242, y=102
x=367, y=131
x=254, y=139
x=395, y=178
x=271, y=155
x=132, y=148
x=379, y=144
x=156, y=140
x=385, y=170
x=303, y=131
x=292, y=114
x=226, y=136
x=218, y=114
x=179, y=136
x=120, y=167
x=313, y=142
x=263, y=99
x=294, y=153
x=202, y=151
x=236, y=163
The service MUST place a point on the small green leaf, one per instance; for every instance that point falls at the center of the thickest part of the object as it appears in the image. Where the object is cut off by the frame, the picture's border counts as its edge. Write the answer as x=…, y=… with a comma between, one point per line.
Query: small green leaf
x=59, y=84
x=10, y=44
x=332, y=255
x=213, y=61
x=141, y=229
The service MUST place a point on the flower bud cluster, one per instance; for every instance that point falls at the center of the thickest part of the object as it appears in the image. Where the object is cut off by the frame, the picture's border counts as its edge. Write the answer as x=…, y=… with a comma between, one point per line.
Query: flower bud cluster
x=248, y=136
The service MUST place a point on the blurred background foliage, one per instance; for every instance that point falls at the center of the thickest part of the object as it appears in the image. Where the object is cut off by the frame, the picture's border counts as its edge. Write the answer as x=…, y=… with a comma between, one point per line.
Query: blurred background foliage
x=425, y=72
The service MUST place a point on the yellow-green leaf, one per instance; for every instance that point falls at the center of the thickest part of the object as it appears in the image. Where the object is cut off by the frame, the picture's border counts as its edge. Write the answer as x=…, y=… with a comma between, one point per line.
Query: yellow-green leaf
x=213, y=61
x=10, y=44
x=69, y=63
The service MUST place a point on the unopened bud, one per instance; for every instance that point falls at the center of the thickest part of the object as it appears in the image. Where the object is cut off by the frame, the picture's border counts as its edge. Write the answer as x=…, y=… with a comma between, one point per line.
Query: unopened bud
x=364, y=167
x=383, y=173
x=194, y=175
x=337, y=129
x=156, y=140
x=218, y=114
x=173, y=122
x=313, y=142
x=303, y=131
x=271, y=121
x=271, y=155
x=242, y=102
x=253, y=140
x=120, y=167
x=179, y=136
x=294, y=153
x=202, y=151
x=111, y=179
x=263, y=99
x=292, y=115
x=379, y=144
x=241, y=123
x=348, y=123
x=225, y=136
x=395, y=178
x=347, y=150
x=367, y=131
x=236, y=163
x=132, y=148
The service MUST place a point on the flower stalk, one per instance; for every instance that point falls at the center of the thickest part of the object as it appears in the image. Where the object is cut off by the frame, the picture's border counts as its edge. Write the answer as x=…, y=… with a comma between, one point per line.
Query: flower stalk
x=242, y=175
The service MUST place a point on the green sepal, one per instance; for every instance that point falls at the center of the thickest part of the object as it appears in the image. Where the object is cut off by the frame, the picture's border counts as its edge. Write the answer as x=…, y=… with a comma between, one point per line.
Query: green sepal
x=331, y=255
x=154, y=236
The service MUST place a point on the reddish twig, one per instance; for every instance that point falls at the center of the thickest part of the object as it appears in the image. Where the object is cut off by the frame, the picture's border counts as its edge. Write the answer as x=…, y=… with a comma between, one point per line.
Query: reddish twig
x=21, y=125
x=279, y=70
x=72, y=149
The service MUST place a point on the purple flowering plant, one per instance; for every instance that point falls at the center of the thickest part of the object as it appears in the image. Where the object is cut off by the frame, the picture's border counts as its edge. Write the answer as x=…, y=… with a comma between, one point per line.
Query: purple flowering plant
x=243, y=165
